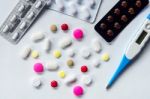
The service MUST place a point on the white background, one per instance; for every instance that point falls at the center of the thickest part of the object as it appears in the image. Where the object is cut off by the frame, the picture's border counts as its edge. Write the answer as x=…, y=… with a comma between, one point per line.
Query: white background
x=15, y=74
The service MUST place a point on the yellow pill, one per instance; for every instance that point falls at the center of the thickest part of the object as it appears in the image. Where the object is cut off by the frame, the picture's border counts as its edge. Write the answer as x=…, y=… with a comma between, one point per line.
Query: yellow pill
x=57, y=54
x=105, y=57
x=61, y=74
x=35, y=54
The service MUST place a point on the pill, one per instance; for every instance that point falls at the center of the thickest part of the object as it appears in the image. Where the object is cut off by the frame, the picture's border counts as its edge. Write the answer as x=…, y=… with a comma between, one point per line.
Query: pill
x=84, y=68
x=70, y=63
x=52, y=66
x=36, y=82
x=38, y=4
x=78, y=34
x=35, y=54
x=38, y=68
x=53, y=28
x=57, y=54
x=47, y=45
x=96, y=45
x=36, y=37
x=85, y=53
x=87, y=80
x=25, y=52
x=30, y=15
x=64, y=27
x=21, y=8
x=65, y=42
x=78, y=91
x=96, y=63
x=13, y=19
x=54, y=83
x=71, y=78
x=23, y=25
x=105, y=57
x=61, y=74
x=6, y=29
x=71, y=53
x=15, y=36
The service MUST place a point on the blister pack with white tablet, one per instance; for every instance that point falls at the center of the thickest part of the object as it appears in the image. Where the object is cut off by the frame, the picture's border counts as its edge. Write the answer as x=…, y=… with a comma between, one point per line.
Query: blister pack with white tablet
x=21, y=18
x=82, y=9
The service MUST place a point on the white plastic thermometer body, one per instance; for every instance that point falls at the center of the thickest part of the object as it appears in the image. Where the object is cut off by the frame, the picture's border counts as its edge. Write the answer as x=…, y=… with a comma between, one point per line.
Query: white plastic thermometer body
x=135, y=46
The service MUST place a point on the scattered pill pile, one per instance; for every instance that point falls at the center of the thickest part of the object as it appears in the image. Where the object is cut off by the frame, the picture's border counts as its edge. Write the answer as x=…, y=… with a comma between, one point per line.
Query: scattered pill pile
x=65, y=44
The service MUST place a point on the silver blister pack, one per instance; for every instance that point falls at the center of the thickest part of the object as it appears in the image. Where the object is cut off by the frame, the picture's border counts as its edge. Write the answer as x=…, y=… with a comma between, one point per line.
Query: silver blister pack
x=20, y=19
x=82, y=9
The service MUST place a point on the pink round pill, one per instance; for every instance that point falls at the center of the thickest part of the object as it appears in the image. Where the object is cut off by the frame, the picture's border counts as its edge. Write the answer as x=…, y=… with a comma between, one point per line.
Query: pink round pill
x=78, y=90
x=78, y=34
x=38, y=68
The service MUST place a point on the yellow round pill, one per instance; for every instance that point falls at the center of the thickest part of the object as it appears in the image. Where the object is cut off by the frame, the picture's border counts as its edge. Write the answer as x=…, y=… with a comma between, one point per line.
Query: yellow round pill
x=61, y=74
x=105, y=57
x=35, y=54
x=57, y=54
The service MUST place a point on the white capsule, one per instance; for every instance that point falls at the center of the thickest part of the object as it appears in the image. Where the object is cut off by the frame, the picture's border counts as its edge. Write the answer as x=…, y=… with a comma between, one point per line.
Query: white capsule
x=6, y=29
x=38, y=4
x=70, y=79
x=30, y=15
x=36, y=82
x=13, y=19
x=52, y=66
x=65, y=42
x=96, y=45
x=15, y=36
x=21, y=8
x=85, y=53
x=36, y=37
x=47, y=45
x=23, y=25
x=87, y=80
x=25, y=52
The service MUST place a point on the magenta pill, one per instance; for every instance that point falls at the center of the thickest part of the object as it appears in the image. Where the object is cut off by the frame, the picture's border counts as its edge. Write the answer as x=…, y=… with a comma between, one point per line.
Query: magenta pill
x=38, y=68
x=78, y=34
x=78, y=91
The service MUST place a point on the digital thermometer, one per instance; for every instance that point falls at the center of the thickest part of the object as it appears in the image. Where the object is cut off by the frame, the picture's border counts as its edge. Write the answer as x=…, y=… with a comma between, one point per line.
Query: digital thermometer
x=135, y=46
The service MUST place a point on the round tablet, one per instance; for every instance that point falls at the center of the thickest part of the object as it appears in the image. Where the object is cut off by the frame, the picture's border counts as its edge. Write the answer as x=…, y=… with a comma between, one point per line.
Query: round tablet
x=85, y=53
x=78, y=91
x=70, y=63
x=38, y=67
x=36, y=82
x=71, y=53
x=53, y=28
x=87, y=80
x=64, y=27
x=84, y=68
x=35, y=54
x=54, y=83
x=57, y=54
x=61, y=74
x=78, y=34
x=105, y=57
x=95, y=63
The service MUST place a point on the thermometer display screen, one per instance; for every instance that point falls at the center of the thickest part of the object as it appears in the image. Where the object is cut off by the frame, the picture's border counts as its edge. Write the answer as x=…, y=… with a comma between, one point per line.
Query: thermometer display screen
x=141, y=37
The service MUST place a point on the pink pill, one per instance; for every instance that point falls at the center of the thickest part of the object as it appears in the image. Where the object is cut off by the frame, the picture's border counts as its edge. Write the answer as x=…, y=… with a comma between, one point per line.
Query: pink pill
x=78, y=34
x=38, y=68
x=78, y=90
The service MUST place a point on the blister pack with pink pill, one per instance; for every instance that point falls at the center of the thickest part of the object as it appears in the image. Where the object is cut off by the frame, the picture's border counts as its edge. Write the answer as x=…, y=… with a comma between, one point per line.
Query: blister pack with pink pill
x=82, y=9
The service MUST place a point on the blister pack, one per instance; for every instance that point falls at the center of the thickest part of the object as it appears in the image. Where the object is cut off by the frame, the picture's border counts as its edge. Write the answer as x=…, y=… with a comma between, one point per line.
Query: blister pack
x=21, y=18
x=82, y=9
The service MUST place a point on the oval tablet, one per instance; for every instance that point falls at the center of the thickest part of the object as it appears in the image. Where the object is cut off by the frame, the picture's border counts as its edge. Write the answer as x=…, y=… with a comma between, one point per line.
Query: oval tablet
x=25, y=52
x=47, y=45
x=35, y=37
x=70, y=79
x=96, y=45
x=52, y=66
x=65, y=42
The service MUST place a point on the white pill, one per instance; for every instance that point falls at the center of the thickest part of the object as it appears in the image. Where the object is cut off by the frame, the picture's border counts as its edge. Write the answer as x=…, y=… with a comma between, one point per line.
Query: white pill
x=65, y=42
x=52, y=66
x=25, y=52
x=36, y=82
x=85, y=53
x=95, y=63
x=15, y=36
x=70, y=79
x=23, y=25
x=30, y=15
x=96, y=45
x=21, y=8
x=35, y=37
x=47, y=45
x=85, y=13
x=13, y=19
x=71, y=53
x=38, y=4
x=6, y=29
x=87, y=80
